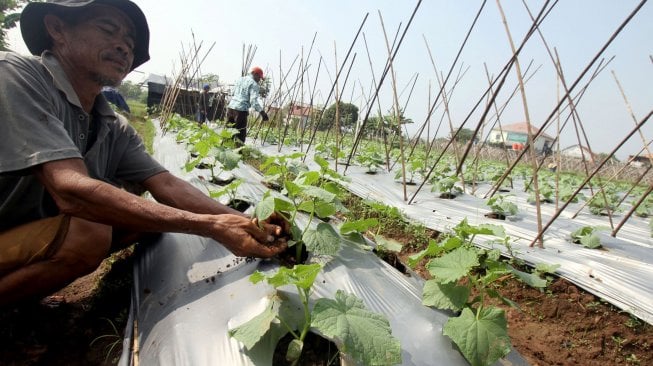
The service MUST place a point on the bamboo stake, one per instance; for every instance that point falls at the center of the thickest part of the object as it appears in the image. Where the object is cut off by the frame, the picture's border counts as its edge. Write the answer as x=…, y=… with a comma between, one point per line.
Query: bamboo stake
x=383, y=75
x=587, y=202
x=453, y=64
x=397, y=111
x=582, y=74
x=385, y=141
x=587, y=179
x=531, y=140
x=631, y=211
x=351, y=47
x=502, y=75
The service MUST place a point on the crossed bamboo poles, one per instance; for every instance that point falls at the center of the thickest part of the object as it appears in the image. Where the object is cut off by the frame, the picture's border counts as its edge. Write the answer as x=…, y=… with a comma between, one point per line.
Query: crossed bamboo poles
x=291, y=91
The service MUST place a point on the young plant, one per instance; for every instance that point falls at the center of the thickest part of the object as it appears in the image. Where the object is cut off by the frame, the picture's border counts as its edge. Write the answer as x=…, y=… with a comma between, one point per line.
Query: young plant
x=370, y=158
x=600, y=204
x=447, y=187
x=499, y=205
x=280, y=168
x=363, y=335
x=310, y=192
x=415, y=167
x=216, y=147
x=547, y=192
x=230, y=191
x=480, y=330
x=588, y=236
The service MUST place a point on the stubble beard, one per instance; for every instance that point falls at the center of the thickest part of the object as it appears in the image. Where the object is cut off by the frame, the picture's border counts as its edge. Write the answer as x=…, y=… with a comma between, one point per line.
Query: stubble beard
x=104, y=80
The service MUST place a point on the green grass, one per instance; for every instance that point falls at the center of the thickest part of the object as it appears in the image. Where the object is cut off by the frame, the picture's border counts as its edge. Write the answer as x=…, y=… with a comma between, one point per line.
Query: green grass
x=140, y=120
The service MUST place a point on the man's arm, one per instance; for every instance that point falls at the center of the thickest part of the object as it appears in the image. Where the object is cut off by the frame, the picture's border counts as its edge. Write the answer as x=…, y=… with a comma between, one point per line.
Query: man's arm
x=76, y=194
x=176, y=192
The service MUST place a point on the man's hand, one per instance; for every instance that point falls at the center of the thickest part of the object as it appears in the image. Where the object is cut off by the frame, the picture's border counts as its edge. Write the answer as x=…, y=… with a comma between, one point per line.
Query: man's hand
x=278, y=220
x=243, y=237
x=264, y=116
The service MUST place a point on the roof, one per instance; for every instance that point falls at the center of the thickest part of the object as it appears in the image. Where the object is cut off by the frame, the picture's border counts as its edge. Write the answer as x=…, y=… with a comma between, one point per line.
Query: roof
x=522, y=127
x=298, y=110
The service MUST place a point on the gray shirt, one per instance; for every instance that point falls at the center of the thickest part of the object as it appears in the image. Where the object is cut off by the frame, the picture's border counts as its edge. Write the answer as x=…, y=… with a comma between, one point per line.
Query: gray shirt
x=41, y=120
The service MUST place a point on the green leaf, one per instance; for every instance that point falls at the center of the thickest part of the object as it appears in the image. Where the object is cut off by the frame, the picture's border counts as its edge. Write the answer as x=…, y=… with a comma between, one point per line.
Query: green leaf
x=319, y=193
x=365, y=336
x=252, y=331
x=592, y=241
x=282, y=204
x=454, y=265
x=360, y=226
x=324, y=209
x=321, y=161
x=293, y=189
x=307, y=178
x=191, y=164
x=265, y=208
x=546, y=268
x=388, y=244
x=444, y=296
x=301, y=275
x=531, y=279
x=228, y=158
x=323, y=239
x=483, y=339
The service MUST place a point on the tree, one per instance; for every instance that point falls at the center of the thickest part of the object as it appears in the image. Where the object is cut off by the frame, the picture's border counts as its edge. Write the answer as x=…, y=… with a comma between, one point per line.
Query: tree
x=8, y=18
x=348, y=116
x=464, y=135
x=130, y=90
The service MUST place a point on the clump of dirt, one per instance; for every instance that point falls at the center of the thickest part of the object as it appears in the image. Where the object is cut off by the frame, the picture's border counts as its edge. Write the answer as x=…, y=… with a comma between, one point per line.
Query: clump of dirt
x=82, y=325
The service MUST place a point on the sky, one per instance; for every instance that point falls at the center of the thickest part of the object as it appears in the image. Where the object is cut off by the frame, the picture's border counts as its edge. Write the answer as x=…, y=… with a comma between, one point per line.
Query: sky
x=283, y=31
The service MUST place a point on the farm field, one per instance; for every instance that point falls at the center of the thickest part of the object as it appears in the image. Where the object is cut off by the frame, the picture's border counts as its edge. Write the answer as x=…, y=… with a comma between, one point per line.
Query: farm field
x=561, y=325
x=492, y=208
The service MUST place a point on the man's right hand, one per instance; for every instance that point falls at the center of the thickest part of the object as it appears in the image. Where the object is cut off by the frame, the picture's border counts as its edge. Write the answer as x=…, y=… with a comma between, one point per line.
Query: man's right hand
x=264, y=116
x=244, y=238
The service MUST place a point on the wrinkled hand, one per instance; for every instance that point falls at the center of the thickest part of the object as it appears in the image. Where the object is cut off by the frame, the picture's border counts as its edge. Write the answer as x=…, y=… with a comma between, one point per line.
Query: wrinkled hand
x=244, y=238
x=264, y=116
x=277, y=219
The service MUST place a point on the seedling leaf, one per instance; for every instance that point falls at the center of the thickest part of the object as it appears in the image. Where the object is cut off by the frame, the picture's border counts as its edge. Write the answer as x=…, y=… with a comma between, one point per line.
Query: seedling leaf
x=365, y=336
x=301, y=275
x=453, y=265
x=252, y=331
x=359, y=226
x=444, y=296
x=323, y=239
x=483, y=339
x=265, y=208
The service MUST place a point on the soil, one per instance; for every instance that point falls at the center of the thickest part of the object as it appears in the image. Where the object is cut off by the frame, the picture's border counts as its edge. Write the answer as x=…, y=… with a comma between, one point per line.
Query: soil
x=562, y=325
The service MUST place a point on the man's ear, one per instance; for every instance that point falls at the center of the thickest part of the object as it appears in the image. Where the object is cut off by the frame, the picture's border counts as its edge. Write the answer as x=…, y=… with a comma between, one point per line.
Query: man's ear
x=54, y=27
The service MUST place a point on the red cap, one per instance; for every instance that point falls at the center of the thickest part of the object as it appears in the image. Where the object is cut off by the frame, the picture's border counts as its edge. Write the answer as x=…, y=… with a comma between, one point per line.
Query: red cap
x=257, y=70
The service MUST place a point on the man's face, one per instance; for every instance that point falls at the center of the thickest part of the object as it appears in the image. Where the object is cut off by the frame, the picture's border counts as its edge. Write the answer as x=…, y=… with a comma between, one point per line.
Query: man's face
x=100, y=47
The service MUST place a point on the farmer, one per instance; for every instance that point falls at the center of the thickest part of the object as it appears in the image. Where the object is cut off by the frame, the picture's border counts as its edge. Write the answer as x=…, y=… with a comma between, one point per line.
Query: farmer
x=203, y=105
x=69, y=166
x=245, y=96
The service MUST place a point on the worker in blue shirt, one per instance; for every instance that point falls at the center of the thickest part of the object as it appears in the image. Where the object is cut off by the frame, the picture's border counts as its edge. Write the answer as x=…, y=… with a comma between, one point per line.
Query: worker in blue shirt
x=245, y=96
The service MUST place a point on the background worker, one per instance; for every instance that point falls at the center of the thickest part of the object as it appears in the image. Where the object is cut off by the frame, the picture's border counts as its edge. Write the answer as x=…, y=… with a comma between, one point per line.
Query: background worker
x=245, y=95
x=203, y=105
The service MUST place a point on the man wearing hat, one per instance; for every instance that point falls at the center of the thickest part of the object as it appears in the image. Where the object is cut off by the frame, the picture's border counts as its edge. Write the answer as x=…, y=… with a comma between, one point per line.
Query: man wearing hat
x=245, y=96
x=69, y=164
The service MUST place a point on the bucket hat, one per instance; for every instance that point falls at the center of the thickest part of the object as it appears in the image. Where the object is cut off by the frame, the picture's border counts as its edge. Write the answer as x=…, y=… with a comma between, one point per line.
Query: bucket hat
x=37, y=40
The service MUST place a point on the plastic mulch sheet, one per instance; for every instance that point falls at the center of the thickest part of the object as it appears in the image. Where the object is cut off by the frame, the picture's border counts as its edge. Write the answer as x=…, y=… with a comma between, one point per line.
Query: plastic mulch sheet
x=189, y=291
x=621, y=272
